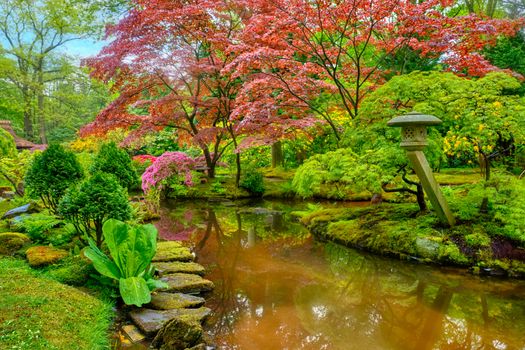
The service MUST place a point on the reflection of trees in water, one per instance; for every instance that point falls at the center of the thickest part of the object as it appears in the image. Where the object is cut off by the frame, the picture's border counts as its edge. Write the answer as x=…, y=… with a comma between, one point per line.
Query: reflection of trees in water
x=352, y=301
x=421, y=308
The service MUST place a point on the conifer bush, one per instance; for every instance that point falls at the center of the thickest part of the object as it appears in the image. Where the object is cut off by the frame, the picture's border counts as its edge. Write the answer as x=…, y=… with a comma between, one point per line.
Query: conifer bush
x=113, y=160
x=50, y=175
x=93, y=202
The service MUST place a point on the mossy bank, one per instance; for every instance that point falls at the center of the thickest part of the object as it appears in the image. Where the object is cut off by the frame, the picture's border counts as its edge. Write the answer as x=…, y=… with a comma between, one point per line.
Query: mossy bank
x=400, y=230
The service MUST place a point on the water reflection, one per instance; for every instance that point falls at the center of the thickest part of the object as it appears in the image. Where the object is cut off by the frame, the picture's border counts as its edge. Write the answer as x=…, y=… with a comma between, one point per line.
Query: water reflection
x=278, y=289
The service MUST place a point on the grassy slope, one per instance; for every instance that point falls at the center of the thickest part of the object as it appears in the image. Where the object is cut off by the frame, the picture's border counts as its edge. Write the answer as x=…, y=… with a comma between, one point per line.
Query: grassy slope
x=39, y=313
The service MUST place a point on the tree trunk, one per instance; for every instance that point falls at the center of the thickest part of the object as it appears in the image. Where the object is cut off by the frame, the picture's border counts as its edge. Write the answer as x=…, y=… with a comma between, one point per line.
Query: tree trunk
x=28, y=121
x=209, y=163
x=40, y=107
x=421, y=198
x=485, y=170
x=277, y=154
x=238, y=173
x=98, y=233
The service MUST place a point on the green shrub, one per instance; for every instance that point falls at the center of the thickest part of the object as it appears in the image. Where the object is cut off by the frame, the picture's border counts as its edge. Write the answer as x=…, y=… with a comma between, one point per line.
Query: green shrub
x=113, y=160
x=7, y=144
x=51, y=173
x=132, y=249
x=252, y=181
x=37, y=226
x=96, y=200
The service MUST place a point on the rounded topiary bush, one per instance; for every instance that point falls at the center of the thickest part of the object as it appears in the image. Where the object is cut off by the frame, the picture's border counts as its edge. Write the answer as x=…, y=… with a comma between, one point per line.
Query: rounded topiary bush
x=94, y=201
x=50, y=175
x=113, y=160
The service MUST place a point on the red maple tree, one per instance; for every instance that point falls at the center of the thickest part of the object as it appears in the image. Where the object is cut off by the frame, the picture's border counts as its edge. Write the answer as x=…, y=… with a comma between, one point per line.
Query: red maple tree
x=168, y=61
x=330, y=54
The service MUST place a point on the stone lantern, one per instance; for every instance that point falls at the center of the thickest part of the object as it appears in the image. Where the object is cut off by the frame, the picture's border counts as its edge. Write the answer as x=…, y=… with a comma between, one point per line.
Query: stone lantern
x=413, y=140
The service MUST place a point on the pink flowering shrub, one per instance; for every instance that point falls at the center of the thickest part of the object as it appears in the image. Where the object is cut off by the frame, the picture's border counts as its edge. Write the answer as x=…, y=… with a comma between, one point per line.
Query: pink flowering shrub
x=167, y=165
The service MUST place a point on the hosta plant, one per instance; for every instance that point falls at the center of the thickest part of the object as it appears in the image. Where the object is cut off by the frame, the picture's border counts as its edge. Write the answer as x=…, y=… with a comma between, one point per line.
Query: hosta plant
x=131, y=248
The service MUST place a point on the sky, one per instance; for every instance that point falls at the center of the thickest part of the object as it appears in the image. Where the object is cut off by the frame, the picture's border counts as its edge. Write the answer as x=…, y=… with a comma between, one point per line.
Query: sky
x=83, y=48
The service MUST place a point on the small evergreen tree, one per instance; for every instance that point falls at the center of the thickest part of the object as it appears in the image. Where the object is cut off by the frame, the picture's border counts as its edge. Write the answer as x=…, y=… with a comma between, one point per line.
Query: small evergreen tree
x=51, y=173
x=113, y=160
x=94, y=201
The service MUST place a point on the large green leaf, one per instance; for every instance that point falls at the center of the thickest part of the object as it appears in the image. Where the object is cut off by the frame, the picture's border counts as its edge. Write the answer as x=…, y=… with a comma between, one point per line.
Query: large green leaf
x=132, y=248
x=101, y=262
x=134, y=291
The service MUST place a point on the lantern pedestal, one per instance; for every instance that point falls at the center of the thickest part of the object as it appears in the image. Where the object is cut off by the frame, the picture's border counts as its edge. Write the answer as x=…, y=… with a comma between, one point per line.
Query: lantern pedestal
x=413, y=140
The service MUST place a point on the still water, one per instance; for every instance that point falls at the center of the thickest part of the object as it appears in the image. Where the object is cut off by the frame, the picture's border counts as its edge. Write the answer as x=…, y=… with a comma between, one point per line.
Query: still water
x=277, y=288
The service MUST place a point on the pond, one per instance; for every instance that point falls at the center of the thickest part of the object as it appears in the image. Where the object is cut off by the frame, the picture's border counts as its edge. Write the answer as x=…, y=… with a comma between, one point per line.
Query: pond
x=277, y=288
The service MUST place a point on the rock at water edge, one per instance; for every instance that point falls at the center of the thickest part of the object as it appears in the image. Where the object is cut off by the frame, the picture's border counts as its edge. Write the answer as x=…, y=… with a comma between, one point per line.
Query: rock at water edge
x=151, y=321
x=165, y=268
x=169, y=301
x=186, y=283
x=178, y=334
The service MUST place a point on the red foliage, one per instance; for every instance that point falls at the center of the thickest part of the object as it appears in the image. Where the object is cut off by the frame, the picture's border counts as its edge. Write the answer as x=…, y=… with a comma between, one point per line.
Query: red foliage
x=305, y=49
x=218, y=69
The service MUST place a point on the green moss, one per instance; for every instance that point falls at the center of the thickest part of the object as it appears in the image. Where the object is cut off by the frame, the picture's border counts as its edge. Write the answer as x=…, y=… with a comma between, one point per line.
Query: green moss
x=478, y=238
x=449, y=252
x=72, y=270
x=37, y=313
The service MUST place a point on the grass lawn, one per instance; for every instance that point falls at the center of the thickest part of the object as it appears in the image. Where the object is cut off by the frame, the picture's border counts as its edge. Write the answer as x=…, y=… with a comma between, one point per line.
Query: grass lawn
x=39, y=313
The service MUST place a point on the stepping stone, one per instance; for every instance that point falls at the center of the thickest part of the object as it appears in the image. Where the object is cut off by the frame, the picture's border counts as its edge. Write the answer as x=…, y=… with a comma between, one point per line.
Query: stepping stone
x=186, y=283
x=164, y=268
x=169, y=245
x=172, y=251
x=169, y=301
x=151, y=321
x=132, y=332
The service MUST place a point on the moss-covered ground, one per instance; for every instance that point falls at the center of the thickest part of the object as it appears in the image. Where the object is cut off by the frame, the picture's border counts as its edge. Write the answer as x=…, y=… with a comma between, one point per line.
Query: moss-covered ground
x=37, y=312
x=400, y=230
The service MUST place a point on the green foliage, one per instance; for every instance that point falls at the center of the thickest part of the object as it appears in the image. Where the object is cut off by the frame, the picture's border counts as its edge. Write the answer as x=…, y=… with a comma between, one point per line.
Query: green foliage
x=479, y=116
x=7, y=144
x=216, y=187
x=132, y=248
x=342, y=170
x=252, y=181
x=51, y=173
x=113, y=160
x=39, y=227
x=93, y=202
x=508, y=53
x=13, y=169
x=505, y=210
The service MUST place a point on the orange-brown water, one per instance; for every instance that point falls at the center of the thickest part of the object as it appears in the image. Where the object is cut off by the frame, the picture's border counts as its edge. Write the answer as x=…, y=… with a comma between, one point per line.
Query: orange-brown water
x=276, y=288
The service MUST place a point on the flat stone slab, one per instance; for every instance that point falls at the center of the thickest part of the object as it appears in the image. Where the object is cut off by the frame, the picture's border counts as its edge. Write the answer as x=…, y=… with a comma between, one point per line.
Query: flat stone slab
x=164, y=268
x=132, y=332
x=151, y=321
x=186, y=283
x=169, y=301
x=172, y=251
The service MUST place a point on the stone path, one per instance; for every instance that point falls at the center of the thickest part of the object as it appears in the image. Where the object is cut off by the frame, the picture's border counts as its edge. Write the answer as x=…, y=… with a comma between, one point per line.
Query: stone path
x=181, y=300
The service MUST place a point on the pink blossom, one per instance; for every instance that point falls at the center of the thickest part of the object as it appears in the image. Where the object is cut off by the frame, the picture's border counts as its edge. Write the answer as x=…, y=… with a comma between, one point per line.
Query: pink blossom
x=167, y=165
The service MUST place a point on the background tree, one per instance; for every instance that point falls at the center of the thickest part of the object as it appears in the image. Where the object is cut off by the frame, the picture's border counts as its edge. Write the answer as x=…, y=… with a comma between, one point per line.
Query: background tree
x=32, y=33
